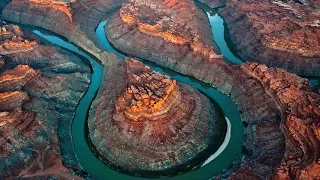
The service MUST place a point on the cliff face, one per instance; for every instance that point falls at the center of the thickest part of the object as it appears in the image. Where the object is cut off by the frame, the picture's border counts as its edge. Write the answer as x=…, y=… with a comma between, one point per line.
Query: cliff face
x=269, y=99
x=178, y=29
x=214, y=3
x=144, y=122
x=76, y=20
x=40, y=87
x=276, y=33
x=280, y=110
x=300, y=112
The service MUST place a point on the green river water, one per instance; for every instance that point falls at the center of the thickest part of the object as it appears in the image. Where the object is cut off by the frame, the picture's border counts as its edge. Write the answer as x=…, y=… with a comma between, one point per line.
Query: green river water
x=220, y=160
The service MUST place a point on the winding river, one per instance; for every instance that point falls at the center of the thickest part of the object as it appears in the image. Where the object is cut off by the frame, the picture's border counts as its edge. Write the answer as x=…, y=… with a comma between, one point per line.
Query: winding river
x=220, y=160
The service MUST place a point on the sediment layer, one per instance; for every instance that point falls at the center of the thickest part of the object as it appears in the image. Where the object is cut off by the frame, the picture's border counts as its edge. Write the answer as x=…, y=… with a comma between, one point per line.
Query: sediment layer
x=262, y=110
x=40, y=87
x=286, y=37
x=75, y=20
x=272, y=102
x=155, y=126
x=214, y=3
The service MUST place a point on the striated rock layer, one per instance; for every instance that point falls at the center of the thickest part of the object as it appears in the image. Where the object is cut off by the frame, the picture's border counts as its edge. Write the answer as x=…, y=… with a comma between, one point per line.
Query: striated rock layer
x=270, y=100
x=178, y=28
x=40, y=87
x=300, y=113
x=146, y=124
x=271, y=141
x=76, y=20
x=214, y=3
x=288, y=36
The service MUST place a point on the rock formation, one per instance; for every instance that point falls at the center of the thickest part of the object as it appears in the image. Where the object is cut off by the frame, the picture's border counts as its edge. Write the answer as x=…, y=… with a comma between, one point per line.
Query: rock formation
x=40, y=87
x=214, y=3
x=300, y=113
x=264, y=107
x=279, y=110
x=175, y=26
x=286, y=37
x=154, y=125
x=76, y=20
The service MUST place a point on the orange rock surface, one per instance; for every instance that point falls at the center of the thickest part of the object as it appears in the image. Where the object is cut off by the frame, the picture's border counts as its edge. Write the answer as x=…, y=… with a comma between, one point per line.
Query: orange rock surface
x=149, y=94
x=283, y=33
x=173, y=21
x=28, y=119
x=58, y=5
x=145, y=123
x=17, y=77
x=300, y=120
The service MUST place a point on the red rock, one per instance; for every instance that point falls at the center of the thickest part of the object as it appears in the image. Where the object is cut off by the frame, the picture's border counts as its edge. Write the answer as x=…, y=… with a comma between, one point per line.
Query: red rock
x=214, y=3
x=276, y=33
x=262, y=111
x=300, y=112
x=154, y=125
x=12, y=100
x=177, y=28
x=16, y=78
x=29, y=118
x=273, y=103
x=76, y=19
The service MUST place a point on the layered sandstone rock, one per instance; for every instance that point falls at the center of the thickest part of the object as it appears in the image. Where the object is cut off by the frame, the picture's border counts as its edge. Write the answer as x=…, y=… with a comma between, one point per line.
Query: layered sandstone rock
x=266, y=137
x=17, y=78
x=276, y=33
x=171, y=29
x=300, y=111
x=144, y=123
x=40, y=87
x=274, y=104
x=214, y=3
x=76, y=20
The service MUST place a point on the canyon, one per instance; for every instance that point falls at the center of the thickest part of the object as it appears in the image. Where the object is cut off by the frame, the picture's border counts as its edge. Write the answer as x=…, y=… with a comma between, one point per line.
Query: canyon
x=289, y=41
x=135, y=108
x=40, y=86
x=270, y=121
x=155, y=125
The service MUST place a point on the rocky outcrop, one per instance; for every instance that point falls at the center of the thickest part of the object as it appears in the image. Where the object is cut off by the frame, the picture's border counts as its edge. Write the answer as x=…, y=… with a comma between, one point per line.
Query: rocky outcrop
x=286, y=37
x=261, y=104
x=154, y=125
x=214, y=3
x=40, y=87
x=76, y=20
x=178, y=29
x=300, y=111
x=279, y=110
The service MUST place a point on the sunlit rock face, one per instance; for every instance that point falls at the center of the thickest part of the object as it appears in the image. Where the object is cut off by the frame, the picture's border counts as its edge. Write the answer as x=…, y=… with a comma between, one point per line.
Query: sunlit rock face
x=151, y=100
x=300, y=105
x=17, y=77
x=40, y=87
x=286, y=37
x=147, y=124
x=168, y=29
x=279, y=110
x=76, y=20
x=263, y=112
